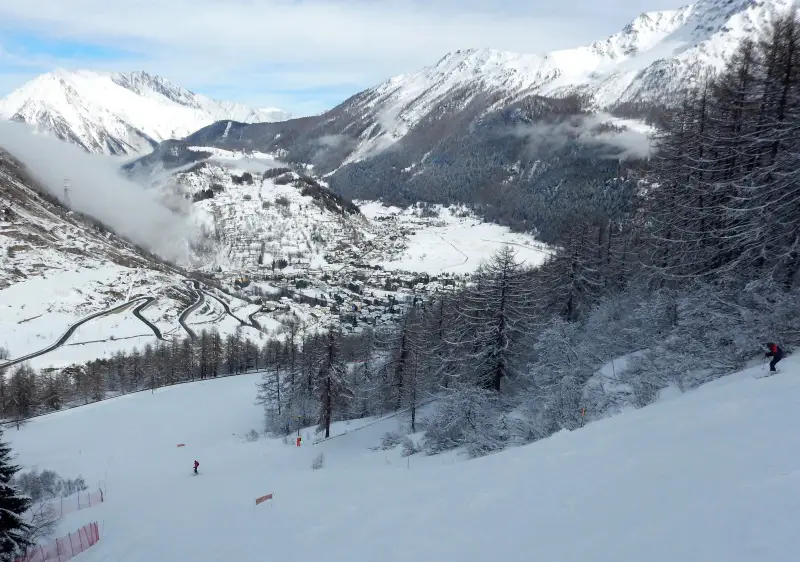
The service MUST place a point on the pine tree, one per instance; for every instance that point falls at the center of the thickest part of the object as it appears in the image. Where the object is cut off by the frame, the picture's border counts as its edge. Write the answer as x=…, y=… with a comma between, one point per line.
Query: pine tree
x=681, y=211
x=149, y=366
x=14, y=531
x=769, y=192
x=188, y=359
x=419, y=363
x=305, y=386
x=273, y=389
x=52, y=396
x=441, y=323
x=135, y=369
x=204, y=354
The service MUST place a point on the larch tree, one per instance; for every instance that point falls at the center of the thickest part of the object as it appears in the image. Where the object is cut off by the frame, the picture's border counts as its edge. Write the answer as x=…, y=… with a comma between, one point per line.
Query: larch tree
x=332, y=381
x=493, y=321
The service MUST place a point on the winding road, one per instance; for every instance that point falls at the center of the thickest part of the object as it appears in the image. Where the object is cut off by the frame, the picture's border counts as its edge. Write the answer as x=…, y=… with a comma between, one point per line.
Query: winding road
x=466, y=257
x=253, y=321
x=201, y=294
x=137, y=312
x=195, y=288
x=227, y=309
x=144, y=302
x=543, y=249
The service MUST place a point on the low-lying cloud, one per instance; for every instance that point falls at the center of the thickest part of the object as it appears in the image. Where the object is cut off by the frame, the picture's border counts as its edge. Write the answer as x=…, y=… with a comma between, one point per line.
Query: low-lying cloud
x=97, y=189
x=613, y=137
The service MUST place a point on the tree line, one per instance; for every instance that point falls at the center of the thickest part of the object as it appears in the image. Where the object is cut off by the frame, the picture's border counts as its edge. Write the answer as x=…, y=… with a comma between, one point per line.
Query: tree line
x=27, y=392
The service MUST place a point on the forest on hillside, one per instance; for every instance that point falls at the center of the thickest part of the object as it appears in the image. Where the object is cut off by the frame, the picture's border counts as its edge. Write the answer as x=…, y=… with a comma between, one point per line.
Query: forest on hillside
x=681, y=282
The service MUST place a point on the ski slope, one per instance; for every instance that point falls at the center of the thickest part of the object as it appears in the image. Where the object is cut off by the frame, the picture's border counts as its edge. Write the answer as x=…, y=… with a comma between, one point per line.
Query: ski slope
x=713, y=474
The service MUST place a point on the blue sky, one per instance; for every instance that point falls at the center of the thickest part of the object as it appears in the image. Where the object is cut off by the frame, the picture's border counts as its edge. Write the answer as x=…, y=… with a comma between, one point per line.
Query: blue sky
x=302, y=56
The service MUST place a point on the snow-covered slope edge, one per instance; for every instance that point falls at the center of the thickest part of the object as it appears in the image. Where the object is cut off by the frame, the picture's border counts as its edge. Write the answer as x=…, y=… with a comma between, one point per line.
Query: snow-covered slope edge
x=119, y=113
x=713, y=474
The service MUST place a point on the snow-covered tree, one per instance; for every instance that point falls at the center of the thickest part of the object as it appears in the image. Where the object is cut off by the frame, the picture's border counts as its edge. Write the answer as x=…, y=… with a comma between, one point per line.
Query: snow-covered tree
x=331, y=376
x=14, y=531
x=494, y=319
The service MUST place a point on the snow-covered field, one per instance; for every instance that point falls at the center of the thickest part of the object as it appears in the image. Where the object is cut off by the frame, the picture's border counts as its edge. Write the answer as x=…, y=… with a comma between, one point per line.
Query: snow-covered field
x=713, y=474
x=454, y=242
x=38, y=310
x=98, y=338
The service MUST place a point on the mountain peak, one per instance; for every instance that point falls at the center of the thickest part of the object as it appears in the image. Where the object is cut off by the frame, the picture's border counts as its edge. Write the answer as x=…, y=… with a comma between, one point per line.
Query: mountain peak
x=621, y=67
x=119, y=112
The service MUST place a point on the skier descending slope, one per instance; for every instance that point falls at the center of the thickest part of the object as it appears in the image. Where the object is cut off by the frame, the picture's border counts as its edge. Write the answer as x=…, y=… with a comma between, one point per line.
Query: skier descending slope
x=196, y=464
x=776, y=353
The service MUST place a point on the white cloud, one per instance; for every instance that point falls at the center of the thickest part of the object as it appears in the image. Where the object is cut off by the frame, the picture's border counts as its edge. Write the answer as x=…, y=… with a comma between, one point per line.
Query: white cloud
x=265, y=45
x=98, y=189
x=613, y=137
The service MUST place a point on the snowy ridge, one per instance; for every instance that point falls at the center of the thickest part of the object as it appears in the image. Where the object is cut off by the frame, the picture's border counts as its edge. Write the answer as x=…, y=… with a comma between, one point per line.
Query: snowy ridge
x=654, y=56
x=119, y=113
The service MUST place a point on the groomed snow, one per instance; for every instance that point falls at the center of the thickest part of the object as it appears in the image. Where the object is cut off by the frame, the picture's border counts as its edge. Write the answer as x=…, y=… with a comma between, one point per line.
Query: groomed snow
x=710, y=475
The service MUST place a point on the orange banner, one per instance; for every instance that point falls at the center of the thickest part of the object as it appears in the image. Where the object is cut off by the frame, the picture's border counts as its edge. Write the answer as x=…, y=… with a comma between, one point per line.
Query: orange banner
x=263, y=498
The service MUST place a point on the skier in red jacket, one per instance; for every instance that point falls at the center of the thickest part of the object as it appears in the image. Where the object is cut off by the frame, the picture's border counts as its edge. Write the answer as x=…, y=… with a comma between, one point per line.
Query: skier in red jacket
x=196, y=464
x=776, y=353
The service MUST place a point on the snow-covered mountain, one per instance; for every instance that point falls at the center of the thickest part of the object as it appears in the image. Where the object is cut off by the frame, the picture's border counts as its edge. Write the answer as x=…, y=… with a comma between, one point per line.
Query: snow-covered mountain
x=654, y=56
x=119, y=113
x=649, y=60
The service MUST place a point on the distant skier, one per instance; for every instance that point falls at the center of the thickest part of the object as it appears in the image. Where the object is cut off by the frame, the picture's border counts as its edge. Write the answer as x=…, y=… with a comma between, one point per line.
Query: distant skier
x=776, y=353
x=196, y=464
